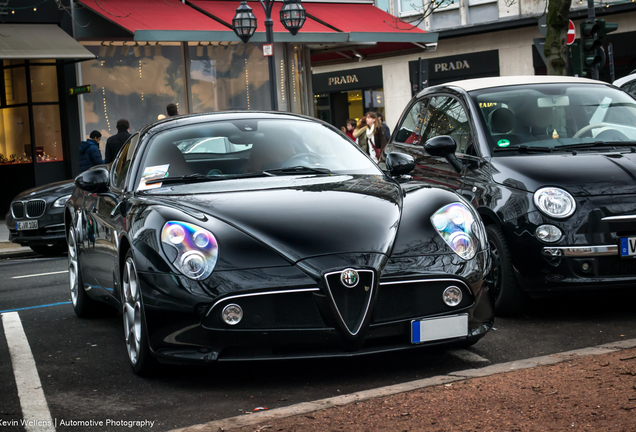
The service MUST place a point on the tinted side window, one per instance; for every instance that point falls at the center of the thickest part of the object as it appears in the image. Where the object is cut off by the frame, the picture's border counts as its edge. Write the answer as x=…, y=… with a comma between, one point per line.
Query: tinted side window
x=123, y=163
x=446, y=116
x=409, y=131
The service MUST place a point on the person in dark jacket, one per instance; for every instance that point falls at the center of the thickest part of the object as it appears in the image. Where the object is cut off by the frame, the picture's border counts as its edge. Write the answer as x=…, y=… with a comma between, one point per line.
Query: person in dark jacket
x=89, y=154
x=387, y=131
x=117, y=141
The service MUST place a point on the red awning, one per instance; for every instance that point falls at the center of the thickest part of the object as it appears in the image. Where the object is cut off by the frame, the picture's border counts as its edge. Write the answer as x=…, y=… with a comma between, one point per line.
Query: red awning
x=312, y=31
x=367, y=23
x=163, y=20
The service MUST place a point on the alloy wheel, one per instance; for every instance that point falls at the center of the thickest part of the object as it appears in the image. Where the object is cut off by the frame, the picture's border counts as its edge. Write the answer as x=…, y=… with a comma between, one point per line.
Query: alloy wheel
x=132, y=311
x=493, y=278
x=73, y=268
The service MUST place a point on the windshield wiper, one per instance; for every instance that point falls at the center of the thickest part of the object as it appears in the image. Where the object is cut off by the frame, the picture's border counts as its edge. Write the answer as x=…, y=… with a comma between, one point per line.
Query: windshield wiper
x=298, y=170
x=524, y=149
x=596, y=144
x=196, y=178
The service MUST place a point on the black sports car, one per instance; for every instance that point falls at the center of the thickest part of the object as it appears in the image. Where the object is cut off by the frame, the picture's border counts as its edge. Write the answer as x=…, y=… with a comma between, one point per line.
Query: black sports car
x=36, y=218
x=288, y=243
x=549, y=163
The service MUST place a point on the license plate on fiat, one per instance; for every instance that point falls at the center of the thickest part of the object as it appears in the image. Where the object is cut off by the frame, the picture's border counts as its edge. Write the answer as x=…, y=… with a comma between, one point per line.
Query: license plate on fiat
x=628, y=247
x=439, y=328
x=27, y=225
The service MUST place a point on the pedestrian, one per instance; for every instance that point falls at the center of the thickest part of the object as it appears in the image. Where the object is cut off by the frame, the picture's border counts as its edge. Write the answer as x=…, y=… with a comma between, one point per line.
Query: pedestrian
x=117, y=141
x=360, y=129
x=387, y=131
x=351, y=125
x=89, y=154
x=172, y=110
x=374, y=137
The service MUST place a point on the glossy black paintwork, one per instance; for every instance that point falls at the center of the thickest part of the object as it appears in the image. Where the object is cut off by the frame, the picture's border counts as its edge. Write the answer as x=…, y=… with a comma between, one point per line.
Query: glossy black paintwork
x=274, y=234
x=50, y=224
x=602, y=180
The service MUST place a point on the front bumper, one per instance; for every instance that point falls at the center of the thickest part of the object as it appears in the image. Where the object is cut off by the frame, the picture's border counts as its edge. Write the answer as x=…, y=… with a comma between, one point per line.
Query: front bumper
x=296, y=322
x=50, y=230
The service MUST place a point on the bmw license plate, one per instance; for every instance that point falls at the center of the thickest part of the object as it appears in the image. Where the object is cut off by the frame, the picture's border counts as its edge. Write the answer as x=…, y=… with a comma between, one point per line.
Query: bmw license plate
x=27, y=225
x=439, y=328
x=628, y=247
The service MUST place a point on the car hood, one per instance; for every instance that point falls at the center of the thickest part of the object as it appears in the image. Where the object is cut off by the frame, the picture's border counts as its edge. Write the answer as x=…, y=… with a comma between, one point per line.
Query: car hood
x=303, y=217
x=50, y=190
x=583, y=174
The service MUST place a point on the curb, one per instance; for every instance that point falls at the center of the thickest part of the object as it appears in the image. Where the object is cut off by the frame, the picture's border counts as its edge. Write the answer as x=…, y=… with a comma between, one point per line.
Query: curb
x=16, y=252
x=309, y=407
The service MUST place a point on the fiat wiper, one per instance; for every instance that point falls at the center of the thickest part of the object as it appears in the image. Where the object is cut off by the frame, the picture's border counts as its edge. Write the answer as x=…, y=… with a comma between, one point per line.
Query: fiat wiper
x=524, y=149
x=596, y=144
x=197, y=178
x=298, y=170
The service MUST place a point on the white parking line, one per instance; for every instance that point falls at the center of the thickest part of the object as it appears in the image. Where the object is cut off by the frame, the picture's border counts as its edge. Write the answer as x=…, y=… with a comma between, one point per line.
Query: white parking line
x=39, y=274
x=467, y=356
x=35, y=410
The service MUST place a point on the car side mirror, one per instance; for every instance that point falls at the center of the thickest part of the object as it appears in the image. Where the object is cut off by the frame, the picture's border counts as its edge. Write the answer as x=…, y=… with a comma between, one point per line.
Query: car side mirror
x=93, y=181
x=399, y=163
x=444, y=146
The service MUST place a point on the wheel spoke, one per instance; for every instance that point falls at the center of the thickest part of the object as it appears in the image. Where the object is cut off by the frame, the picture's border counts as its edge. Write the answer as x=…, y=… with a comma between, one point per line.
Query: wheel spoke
x=73, y=268
x=131, y=299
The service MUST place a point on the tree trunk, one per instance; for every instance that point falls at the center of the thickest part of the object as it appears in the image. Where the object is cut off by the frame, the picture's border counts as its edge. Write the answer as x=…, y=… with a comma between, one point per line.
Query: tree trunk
x=555, y=48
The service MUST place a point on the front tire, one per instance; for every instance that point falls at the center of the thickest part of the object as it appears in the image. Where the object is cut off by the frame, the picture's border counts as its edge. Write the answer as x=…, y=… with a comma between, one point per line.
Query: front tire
x=135, y=332
x=83, y=305
x=508, y=296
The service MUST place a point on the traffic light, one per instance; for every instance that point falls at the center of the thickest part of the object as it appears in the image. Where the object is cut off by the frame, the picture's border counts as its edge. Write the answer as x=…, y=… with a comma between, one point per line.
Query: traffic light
x=605, y=28
x=590, y=43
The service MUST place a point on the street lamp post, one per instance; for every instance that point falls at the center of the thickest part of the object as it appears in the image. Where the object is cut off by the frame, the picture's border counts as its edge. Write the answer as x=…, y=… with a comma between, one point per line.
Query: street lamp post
x=292, y=16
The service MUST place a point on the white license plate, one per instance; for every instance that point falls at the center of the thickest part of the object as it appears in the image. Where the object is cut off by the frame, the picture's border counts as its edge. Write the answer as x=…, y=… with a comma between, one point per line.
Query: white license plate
x=439, y=328
x=628, y=246
x=27, y=225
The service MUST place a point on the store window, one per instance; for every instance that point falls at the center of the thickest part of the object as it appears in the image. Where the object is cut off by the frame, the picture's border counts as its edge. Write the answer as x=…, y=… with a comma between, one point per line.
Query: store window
x=225, y=77
x=47, y=133
x=295, y=68
x=15, y=136
x=44, y=83
x=15, y=86
x=132, y=84
x=374, y=101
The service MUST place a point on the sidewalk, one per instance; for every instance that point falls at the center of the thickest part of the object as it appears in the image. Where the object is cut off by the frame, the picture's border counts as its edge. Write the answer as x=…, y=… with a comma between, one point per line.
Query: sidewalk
x=592, y=389
x=8, y=249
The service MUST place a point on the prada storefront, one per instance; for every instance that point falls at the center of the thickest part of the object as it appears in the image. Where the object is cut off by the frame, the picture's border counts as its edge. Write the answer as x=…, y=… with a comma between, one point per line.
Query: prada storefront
x=441, y=70
x=345, y=94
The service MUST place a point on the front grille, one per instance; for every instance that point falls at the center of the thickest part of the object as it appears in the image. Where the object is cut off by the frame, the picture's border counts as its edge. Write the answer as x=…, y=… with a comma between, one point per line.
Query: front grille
x=35, y=208
x=412, y=299
x=614, y=266
x=17, y=208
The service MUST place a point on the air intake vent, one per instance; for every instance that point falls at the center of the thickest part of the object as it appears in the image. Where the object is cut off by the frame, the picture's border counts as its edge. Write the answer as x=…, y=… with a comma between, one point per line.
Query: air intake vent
x=35, y=208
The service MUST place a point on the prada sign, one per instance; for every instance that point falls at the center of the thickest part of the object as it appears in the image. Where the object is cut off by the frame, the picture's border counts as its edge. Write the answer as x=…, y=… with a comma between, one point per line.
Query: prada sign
x=444, y=69
x=451, y=66
x=348, y=79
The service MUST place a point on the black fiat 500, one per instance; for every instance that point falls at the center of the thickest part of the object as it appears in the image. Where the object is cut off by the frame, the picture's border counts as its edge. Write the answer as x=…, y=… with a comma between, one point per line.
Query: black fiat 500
x=550, y=165
x=246, y=235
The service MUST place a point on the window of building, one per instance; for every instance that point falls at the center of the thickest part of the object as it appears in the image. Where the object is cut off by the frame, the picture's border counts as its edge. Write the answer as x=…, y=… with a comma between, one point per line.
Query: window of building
x=382, y=4
x=15, y=136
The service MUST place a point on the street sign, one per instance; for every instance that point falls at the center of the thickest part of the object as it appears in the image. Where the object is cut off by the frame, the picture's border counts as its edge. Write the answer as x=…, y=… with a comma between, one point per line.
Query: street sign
x=268, y=50
x=543, y=25
x=571, y=33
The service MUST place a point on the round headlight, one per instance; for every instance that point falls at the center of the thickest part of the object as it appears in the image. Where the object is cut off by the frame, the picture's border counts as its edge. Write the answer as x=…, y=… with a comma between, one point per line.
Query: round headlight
x=462, y=244
x=548, y=233
x=193, y=264
x=452, y=296
x=176, y=234
x=232, y=314
x=554, y=202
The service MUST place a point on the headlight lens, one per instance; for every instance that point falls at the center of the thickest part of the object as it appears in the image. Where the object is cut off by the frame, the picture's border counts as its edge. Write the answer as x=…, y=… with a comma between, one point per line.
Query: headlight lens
x=61, y=201
x=548, y=233
x=554, y=202
x=197, y=249
x=457, y=226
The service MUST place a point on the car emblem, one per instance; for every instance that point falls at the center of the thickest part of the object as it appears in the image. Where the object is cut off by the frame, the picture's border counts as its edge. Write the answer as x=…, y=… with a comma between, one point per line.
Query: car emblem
x=349, y=278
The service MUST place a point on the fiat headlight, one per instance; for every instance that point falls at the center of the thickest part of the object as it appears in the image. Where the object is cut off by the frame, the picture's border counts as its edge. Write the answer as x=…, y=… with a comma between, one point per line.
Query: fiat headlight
x=458, y=227
x=554, y=202
x=196, y=249
x=61, y=201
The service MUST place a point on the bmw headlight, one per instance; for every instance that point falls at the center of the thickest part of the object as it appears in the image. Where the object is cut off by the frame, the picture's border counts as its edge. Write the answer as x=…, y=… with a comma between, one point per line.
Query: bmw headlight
x=554, y=202
x=192, y=249
x=61, y=201
x=457, y=226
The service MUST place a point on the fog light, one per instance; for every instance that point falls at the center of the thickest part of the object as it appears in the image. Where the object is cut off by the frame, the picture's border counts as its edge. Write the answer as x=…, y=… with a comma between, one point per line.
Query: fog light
x=232, y=314
x=586, y=267
x=548, y=233
x=452, y=296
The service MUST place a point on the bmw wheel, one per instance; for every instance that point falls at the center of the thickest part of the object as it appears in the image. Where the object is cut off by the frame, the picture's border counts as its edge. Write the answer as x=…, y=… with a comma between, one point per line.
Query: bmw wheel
x=135, y=332
x=506, y=292
x=83, y=305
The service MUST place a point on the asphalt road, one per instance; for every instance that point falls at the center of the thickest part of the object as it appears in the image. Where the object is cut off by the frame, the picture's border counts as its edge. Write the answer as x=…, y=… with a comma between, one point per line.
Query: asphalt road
x=85, y=376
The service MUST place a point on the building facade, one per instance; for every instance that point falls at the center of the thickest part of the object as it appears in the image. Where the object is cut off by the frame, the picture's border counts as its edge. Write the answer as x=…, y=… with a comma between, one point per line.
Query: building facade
x=477, y=38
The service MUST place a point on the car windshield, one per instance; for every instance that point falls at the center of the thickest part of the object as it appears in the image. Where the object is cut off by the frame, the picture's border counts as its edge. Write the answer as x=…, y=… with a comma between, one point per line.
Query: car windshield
x=552, y=117
x=234, y=149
